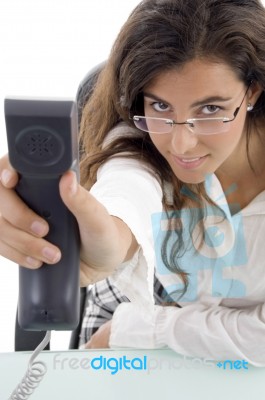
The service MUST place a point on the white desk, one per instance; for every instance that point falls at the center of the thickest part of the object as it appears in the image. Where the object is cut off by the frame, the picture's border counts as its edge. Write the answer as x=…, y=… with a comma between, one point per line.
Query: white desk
x=165, y=376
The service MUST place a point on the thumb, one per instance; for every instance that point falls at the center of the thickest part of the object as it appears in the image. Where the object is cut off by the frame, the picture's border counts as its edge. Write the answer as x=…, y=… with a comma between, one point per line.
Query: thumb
x=79, y=201
x=73, y=195
x=101, y=244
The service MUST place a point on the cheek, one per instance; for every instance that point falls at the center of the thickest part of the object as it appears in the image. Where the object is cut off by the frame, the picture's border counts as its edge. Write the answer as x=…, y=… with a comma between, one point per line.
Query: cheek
x=160, y=141
x=215, y=142
x=223, y=143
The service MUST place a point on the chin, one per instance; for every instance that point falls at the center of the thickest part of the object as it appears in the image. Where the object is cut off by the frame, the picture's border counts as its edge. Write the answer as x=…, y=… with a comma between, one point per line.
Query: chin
x=195, y=178
x=193, y=181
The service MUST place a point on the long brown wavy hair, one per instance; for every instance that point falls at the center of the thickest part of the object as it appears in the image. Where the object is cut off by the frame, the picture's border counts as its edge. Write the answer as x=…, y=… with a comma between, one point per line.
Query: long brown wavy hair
x=161, y=35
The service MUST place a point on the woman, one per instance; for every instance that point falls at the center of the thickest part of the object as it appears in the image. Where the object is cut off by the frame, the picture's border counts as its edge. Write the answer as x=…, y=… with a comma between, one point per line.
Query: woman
x=172, y=153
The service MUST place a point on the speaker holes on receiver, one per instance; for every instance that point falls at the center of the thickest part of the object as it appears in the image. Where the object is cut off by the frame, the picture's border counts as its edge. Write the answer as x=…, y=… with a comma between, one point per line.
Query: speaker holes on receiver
x=40, y=145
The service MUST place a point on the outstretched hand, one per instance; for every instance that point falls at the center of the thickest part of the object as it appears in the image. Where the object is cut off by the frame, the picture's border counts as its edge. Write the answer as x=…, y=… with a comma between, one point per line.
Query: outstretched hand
x=22, y=231
x=105, y=240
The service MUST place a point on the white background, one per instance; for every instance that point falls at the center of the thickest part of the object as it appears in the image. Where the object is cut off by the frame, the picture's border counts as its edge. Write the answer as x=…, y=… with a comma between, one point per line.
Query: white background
x=47, y=47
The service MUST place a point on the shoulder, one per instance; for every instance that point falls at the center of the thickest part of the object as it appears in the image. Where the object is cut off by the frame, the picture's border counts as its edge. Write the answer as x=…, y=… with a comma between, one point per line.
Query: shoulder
x=122, y=129
x=125, y=162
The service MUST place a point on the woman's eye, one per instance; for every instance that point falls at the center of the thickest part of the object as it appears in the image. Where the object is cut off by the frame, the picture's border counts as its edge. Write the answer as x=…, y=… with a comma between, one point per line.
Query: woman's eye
x=210, y=109
x=159, y=106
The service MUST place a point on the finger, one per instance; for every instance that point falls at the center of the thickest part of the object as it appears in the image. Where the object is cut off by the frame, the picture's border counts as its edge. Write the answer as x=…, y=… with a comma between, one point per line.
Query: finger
x=26, y=247
x=8, y=176
x=17, y=213
x=98, y=342
x=19, y=258
x=94, y=343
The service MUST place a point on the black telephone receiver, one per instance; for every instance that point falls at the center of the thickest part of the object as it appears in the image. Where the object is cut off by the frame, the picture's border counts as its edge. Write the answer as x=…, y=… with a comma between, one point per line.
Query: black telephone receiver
x=42, y=138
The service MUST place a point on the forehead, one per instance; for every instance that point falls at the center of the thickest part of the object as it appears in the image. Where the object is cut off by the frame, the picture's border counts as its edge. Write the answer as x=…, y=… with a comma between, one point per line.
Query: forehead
x=197, y=77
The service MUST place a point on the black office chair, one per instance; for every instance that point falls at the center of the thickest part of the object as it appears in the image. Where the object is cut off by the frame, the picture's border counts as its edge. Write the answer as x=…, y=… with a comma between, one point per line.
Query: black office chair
x=29, y=340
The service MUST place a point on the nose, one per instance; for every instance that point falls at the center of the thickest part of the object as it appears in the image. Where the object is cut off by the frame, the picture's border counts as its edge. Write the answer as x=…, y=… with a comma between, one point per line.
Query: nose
x=182, y=139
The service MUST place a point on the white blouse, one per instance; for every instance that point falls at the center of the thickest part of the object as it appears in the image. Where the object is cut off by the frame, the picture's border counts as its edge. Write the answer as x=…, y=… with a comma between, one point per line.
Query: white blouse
x=222, y=314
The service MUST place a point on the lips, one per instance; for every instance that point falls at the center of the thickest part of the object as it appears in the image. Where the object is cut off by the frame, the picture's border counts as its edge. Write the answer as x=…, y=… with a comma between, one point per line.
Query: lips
x=189, y=162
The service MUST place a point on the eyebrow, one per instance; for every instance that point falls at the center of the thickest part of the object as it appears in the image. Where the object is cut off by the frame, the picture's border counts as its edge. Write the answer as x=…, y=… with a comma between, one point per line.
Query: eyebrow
x=206, y=100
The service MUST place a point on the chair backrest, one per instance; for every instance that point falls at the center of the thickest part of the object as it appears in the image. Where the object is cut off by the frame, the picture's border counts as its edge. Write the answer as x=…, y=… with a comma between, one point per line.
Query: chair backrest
x=86, y=87
x=29, y=340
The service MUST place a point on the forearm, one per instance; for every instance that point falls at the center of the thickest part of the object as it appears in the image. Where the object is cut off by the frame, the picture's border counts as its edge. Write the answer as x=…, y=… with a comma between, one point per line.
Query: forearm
x=127, y=241
x=107, y=260
x=196, y=330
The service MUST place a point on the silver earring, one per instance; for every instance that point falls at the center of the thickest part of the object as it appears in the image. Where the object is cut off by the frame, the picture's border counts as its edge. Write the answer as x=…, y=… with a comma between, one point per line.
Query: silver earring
x=250, y=107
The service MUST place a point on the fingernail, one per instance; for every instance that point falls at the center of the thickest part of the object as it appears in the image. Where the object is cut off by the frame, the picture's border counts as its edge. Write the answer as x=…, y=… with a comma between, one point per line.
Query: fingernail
x=39, y=228
x=50, y=254
x=33, y=262
x=6, y=175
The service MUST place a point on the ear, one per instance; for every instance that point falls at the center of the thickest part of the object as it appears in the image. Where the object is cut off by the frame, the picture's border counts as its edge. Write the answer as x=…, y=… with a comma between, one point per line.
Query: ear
x=254, y=92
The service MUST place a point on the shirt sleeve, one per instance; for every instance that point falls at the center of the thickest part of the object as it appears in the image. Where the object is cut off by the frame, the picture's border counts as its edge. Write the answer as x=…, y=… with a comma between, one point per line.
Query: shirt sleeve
x=131, y=192
x=196, y=330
